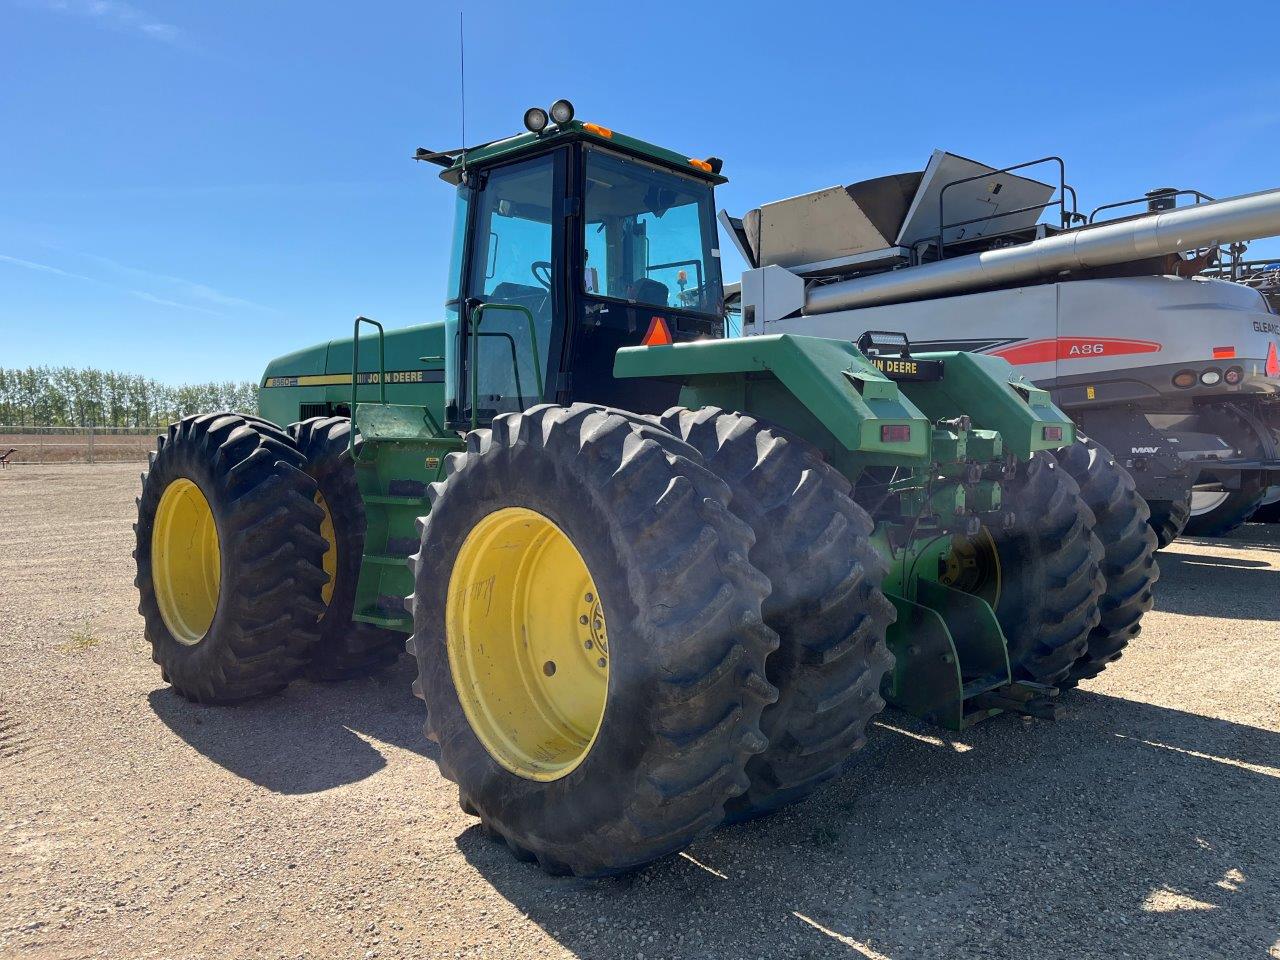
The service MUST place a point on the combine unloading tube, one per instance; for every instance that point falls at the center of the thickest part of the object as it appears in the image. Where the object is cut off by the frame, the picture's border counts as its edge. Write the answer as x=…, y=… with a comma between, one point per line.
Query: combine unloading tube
x=1249, y=217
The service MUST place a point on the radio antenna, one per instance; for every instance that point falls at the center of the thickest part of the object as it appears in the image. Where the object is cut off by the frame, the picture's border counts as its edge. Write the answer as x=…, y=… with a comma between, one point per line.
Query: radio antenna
x=462, y=89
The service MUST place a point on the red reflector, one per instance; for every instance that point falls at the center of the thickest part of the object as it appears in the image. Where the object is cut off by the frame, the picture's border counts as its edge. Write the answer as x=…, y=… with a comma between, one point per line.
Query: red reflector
x=1273, y=361
x=659, y=334
x=1053, y=433
x=895, y=433
x=1224, y=353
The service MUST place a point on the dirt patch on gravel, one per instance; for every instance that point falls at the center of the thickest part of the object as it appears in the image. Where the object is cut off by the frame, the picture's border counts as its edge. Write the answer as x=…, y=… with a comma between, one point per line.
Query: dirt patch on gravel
x=133, y=824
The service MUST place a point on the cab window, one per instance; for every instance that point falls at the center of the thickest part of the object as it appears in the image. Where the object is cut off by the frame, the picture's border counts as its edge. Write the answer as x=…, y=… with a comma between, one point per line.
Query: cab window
x=649, y=236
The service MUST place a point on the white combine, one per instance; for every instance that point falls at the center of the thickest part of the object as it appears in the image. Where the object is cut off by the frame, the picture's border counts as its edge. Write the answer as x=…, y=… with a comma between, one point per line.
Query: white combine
x=1175, y=372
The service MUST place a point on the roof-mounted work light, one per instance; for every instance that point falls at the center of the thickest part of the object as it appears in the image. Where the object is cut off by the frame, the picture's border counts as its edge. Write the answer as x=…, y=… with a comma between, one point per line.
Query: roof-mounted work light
x=535, y=120
x=562, y=112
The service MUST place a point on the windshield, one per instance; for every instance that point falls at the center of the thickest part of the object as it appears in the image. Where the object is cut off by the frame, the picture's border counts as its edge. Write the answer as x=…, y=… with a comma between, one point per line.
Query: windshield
x=650, y=236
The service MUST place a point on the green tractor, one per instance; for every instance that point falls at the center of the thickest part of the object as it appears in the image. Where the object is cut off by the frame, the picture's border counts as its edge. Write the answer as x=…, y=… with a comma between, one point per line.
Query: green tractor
x=654, y=579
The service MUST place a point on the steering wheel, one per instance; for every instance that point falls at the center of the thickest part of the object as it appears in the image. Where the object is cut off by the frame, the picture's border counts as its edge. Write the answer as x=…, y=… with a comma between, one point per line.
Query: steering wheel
x=541, y=265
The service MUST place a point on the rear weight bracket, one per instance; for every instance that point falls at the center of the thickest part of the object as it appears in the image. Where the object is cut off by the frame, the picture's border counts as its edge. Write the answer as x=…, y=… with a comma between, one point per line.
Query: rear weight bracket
x=949, y=652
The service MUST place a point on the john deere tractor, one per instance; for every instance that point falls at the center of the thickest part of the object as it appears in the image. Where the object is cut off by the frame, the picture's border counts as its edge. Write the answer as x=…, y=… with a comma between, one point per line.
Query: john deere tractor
x=654, y=579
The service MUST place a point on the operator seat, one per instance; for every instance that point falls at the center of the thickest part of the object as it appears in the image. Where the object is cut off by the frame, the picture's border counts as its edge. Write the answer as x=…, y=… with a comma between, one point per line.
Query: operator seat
x=648, y=290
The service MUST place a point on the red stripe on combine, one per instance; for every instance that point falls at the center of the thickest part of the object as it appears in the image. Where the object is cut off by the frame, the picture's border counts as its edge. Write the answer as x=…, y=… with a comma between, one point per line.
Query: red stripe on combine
x=1074, y=348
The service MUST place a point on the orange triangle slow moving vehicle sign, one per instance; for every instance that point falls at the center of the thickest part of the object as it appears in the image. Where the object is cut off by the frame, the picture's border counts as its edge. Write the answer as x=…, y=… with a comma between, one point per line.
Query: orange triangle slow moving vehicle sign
x=659, y=334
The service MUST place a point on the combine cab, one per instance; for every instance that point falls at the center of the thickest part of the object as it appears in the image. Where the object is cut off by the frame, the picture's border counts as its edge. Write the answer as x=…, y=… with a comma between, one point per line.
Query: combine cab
x=1174, y=371
x=653, y=579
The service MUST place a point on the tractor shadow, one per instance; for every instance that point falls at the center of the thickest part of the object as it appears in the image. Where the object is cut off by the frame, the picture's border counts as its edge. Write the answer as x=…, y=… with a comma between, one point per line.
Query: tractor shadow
x=1255, y=536
x=1124, y=829
x=310, y=738
x=1199, y=584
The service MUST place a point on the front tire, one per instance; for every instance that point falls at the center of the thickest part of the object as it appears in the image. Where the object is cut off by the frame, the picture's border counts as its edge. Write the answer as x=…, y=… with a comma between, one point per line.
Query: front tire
x=629, y=760
x=346, y=648
x=812, y=542
x=229, y=558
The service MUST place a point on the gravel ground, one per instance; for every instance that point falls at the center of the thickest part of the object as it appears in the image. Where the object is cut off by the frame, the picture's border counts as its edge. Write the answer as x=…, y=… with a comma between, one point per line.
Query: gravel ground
x=1144, y=823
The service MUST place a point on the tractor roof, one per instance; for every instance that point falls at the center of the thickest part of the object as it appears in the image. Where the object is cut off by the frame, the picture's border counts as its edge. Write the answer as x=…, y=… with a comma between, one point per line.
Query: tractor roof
x=511, y=147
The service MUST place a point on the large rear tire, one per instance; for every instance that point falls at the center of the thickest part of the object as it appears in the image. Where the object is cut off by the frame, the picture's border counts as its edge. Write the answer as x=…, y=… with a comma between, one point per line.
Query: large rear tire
x=229, y=558
x=1050, y=572
x=346, y=648
x=616, y=568
x=1128, y=565
x=812, y=542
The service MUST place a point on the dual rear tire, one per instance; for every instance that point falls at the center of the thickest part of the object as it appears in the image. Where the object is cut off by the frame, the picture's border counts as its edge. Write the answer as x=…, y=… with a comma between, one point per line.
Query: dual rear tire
x=1122, y=522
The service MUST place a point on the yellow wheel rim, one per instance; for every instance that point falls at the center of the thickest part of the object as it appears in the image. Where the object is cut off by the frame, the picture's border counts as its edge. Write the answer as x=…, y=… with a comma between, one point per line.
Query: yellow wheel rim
x=973, y=565
x=527, y=644
x=186, y=561
x=330, y=559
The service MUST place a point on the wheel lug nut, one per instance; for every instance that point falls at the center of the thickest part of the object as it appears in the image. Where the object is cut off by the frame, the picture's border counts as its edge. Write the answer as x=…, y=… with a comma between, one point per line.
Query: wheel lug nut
x=590, y=598
x=583, y=619
x=601, y=662
x=588, y=644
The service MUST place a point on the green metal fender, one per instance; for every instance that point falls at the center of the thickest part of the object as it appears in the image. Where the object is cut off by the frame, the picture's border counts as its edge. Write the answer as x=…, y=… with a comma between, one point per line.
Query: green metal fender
x=823, y=390
x=994, y=397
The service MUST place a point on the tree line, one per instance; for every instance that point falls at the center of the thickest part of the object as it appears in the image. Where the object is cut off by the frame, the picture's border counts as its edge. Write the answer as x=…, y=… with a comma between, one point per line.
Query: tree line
x=72, y=397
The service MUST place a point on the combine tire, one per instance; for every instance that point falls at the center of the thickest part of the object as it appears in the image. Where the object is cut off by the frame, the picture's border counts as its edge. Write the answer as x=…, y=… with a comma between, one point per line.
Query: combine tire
x=1219, y=514
x=1128, y=564
x=1269, y=511
x=229, y=557
x=826, y=605
x=1050, y=573
x=346, y=648
x=1168, y=520
x=589, y=639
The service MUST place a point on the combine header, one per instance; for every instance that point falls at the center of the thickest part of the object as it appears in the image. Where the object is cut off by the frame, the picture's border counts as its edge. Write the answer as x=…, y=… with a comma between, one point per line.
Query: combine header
x=1175, y=372
x=653, y=579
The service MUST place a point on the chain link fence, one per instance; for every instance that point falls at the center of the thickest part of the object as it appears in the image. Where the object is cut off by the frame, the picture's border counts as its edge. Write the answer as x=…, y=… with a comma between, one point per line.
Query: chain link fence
x=75, y=444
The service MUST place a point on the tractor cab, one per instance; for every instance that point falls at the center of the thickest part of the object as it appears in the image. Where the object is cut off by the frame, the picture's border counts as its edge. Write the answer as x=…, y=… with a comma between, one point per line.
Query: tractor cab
x=571, y=241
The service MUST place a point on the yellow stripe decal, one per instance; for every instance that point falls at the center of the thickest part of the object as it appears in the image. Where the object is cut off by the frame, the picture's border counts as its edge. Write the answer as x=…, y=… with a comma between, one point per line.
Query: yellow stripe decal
x=344, y=379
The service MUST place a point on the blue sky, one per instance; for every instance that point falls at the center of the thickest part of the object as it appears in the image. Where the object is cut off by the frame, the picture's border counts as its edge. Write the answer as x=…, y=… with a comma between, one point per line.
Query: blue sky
x=187, y=190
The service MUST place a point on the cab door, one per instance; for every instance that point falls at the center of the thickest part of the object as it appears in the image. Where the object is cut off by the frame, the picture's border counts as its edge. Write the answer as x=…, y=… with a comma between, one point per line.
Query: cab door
x=513, y=288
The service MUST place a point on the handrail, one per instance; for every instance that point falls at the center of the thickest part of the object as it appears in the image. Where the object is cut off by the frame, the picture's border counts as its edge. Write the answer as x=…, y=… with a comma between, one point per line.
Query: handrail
x=355, y=370
x=477, y=314
x=1200, y=197
x=1066, y=216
